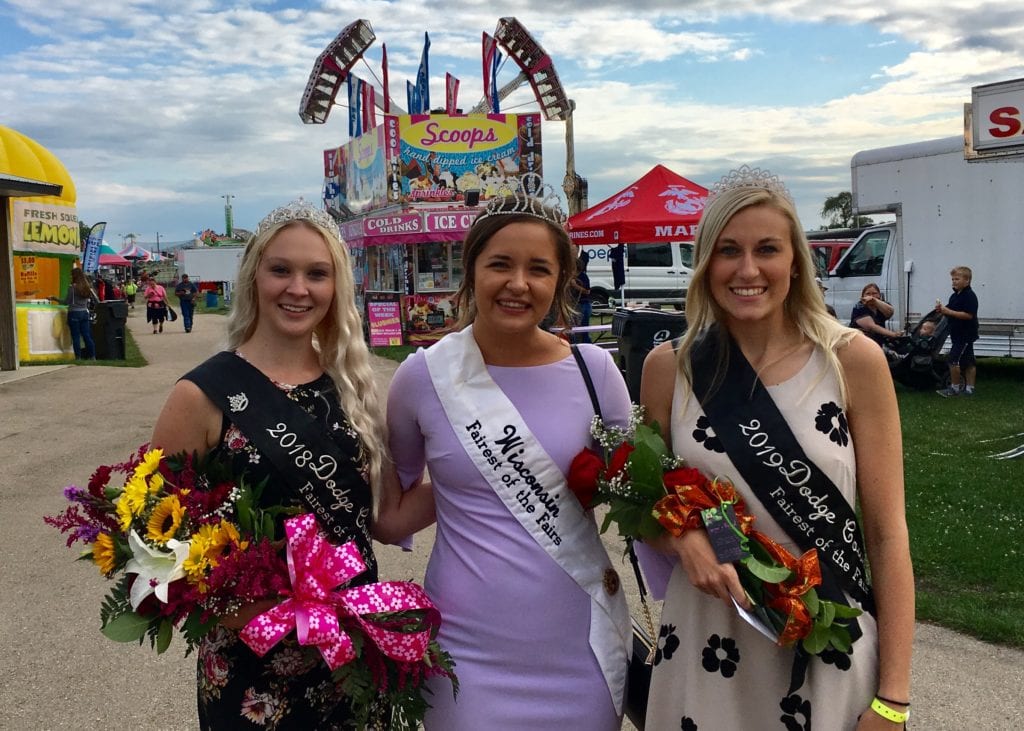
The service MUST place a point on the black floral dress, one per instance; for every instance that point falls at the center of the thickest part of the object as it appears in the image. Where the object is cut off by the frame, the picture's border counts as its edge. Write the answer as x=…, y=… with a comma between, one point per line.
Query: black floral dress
x=290, y=687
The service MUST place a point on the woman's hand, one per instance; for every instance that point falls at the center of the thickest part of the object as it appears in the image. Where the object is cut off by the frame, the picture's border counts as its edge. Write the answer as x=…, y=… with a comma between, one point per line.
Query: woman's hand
x=247, y=613
x=704, y=570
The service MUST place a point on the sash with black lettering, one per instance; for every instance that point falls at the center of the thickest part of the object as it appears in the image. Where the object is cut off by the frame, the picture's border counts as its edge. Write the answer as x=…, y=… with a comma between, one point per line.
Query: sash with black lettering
x=738, y=413
x=533, y=488
x=314, y=466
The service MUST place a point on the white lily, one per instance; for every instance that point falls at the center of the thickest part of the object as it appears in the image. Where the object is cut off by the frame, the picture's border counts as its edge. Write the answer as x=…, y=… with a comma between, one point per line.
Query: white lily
x=156, y=568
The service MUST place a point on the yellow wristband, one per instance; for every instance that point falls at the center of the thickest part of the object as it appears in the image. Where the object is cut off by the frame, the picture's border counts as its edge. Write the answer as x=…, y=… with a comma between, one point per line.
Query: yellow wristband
x=889, y=714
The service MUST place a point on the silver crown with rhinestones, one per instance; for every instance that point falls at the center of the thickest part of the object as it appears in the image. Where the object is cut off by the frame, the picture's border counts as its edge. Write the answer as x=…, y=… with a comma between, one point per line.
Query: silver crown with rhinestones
x=748, y=177
x=298, y=210
x=545, y=205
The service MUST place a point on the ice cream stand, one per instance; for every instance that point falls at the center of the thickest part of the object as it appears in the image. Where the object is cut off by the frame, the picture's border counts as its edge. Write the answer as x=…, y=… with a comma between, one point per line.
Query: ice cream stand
x=405, y=191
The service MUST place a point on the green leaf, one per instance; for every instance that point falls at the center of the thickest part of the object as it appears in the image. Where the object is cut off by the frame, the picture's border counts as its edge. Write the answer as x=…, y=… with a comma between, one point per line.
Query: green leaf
x=810, y=599
x=268, y=526
x=828, y=613
x=766, y=572
x=126, y=628
x=846, y=612
x=163, y=638
x=839, y=636
x=752, y=585
x=817, y=639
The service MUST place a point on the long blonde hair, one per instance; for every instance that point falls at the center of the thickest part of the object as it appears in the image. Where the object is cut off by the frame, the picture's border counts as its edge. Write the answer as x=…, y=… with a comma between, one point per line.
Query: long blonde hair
x=337, y=339
x=804, y=304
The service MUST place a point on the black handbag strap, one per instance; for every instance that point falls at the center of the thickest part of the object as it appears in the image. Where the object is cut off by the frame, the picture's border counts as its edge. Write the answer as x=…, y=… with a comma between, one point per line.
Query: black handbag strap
x=585, y=372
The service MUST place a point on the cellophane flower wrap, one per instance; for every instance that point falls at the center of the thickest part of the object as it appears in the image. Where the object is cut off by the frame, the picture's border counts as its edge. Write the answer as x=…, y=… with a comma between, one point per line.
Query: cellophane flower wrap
x=185, y=542
x=649, y=491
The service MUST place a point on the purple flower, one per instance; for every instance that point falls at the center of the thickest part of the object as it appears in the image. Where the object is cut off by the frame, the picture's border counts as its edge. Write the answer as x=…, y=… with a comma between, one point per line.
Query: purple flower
x=75, y=494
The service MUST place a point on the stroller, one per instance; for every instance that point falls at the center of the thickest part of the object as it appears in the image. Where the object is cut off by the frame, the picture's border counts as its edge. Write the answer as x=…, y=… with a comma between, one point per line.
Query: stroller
x=914, y=359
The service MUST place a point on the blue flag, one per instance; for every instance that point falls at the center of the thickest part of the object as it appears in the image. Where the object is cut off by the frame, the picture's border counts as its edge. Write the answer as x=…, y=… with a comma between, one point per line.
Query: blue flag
x=423, y=78
x=91, y=256
x=355, y=117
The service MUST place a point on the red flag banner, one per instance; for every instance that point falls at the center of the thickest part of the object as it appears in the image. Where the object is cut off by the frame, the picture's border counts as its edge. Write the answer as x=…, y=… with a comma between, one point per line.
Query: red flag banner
x=489, y=49
x=369, y=103
x=451, y=94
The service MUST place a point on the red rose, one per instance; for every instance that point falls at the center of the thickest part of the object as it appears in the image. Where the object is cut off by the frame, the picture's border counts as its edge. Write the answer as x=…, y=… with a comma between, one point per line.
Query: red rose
x=618, y=462
x=686, y=476
x=583, y=473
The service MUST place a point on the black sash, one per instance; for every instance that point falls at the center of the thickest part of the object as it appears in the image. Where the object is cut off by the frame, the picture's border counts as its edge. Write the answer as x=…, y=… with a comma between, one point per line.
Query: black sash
x=800, y=497
x=313, y=465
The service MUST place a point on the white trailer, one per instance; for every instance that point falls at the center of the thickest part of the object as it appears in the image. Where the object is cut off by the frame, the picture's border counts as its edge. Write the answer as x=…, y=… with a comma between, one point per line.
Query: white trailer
x=949, y=212
x=210, y=264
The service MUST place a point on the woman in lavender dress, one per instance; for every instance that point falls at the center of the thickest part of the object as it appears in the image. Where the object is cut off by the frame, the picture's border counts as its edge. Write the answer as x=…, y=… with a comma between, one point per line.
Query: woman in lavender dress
x=533, y=614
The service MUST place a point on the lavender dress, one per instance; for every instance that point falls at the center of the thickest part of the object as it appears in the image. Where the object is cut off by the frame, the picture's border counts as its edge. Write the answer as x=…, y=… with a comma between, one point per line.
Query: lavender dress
x=514, y=621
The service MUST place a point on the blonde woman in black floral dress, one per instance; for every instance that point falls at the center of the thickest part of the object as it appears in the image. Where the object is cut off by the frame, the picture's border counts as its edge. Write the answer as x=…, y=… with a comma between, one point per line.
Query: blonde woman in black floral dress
x=294, y=320
x=768, y=390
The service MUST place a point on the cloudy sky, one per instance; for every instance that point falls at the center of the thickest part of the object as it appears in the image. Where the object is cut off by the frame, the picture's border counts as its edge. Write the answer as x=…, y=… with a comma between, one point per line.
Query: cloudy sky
x=158, y=109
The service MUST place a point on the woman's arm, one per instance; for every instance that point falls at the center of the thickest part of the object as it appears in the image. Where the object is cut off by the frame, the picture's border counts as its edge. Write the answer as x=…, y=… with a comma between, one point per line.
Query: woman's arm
x=867, y=324
x=873, y=416
x=884, y=307
x=693, y=548
x=402, y=512
x=189, y=421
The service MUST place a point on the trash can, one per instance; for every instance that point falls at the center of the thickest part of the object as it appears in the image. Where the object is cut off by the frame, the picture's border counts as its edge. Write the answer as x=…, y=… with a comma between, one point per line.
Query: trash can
x=108, y=329
x=638, y=331
x=211, y=299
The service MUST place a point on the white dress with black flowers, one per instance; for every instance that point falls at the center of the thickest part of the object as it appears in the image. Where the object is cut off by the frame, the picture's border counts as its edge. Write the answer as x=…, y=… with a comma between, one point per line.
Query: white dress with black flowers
x=712, y=670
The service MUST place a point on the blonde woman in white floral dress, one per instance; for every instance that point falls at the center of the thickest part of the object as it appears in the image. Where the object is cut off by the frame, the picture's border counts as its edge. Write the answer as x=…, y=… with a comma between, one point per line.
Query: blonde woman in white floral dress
x=754, y=309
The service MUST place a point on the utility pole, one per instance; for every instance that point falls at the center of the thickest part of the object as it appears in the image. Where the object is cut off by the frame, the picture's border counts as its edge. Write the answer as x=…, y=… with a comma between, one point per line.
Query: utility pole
x=227, y=214
x=158, y=243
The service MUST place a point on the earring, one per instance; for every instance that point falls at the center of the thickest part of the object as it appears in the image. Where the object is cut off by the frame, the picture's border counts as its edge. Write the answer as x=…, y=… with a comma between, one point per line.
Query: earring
x=795, y=275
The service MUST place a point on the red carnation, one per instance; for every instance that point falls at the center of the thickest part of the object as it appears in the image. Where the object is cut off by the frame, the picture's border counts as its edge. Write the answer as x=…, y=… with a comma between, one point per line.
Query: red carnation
x=583, y=474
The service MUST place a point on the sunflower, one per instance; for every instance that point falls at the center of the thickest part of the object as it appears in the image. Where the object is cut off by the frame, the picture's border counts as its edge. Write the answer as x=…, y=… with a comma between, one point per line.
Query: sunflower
x=103, y=553
x=150, y=462
x=132, y=500
x=165, y=520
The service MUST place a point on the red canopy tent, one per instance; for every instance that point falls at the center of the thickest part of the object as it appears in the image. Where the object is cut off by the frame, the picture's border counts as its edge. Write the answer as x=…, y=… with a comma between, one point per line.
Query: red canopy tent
x=661, y=206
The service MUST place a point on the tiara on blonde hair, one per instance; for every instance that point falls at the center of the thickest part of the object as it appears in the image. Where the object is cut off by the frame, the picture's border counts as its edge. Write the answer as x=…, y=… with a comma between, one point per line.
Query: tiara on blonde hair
x=748, y=177
x=298, y=210
x=546, y=205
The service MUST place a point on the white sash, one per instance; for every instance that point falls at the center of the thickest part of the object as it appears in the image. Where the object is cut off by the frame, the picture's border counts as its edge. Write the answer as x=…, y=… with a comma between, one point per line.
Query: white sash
x=533, y=488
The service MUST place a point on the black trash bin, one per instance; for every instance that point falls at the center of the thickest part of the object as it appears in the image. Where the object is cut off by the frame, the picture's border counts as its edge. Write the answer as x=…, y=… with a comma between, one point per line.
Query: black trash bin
x=108, y=329
x=638, y=331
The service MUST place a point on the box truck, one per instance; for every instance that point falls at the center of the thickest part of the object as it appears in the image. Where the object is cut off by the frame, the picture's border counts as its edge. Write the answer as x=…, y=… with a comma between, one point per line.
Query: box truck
x=949, y=212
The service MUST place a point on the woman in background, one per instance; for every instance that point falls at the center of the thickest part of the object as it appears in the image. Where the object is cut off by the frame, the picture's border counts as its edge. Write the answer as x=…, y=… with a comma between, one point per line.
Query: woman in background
x=80, y=296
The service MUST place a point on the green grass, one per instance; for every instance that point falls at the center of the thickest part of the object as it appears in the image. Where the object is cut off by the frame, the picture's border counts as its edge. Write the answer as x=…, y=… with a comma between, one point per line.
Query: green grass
x=396, y=353
x=965, y=510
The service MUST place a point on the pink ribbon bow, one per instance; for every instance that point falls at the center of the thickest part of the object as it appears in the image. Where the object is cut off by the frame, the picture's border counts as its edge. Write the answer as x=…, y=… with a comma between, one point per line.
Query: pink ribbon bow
x=317, y=567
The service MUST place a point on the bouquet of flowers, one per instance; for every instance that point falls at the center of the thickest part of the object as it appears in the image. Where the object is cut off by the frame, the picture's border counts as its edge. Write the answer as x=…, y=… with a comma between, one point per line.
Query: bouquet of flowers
x=648, y=491
x=186, y=543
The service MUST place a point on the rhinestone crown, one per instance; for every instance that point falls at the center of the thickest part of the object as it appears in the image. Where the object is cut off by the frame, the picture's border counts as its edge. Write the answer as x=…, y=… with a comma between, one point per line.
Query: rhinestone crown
x=748, y=177
x=298, y=210
x=546, y=205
